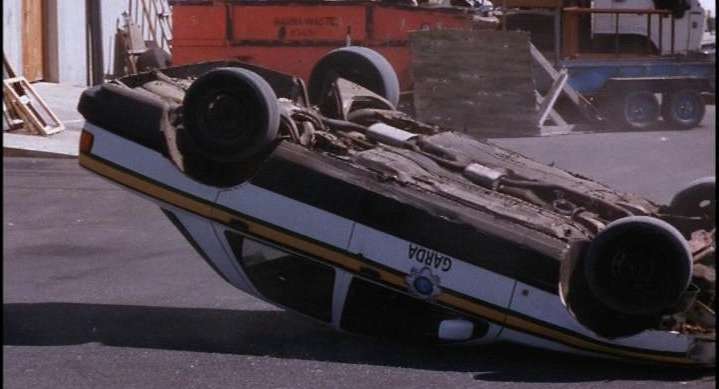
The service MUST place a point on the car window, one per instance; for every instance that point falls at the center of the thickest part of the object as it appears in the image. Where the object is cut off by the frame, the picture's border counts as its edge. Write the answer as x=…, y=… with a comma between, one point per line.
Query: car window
x=292, y=281
x=374, y=310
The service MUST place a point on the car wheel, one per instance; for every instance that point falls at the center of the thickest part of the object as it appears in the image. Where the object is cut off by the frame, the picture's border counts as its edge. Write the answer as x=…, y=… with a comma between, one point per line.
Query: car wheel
x=361, y=65
x=697, y=199
x=638, y=265
x=635, y=109
x=153, y=58
x=230, y=114
x=683, y=109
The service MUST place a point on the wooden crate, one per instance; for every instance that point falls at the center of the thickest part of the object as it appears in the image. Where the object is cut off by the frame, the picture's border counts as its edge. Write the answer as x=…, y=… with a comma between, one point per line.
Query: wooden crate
x=479, y=82
x=30, y=107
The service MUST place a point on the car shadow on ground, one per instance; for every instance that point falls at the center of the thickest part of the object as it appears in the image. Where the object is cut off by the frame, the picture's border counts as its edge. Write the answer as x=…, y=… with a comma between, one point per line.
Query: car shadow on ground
x=281, y=334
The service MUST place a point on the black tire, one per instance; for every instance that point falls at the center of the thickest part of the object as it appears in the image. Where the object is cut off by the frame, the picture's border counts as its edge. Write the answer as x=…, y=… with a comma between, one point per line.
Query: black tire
x=684, y=109
x=361, y=65
x=153, y=58
x=638, y=265
x=636, y=110
x=698, y=198
x=588, y=310
x=230, y=114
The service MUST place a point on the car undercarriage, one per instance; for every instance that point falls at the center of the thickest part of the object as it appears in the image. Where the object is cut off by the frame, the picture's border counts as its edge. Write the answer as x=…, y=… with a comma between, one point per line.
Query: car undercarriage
x=620, y=265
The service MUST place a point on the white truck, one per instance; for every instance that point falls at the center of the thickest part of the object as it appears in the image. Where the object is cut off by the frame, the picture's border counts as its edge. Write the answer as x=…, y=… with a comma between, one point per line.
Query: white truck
x=639, y=60
x=689, y=24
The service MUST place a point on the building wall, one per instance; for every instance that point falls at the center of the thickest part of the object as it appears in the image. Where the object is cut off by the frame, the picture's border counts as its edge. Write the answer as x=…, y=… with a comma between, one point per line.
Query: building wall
x=11, y=17
x=66, y=29
x=111, y=18
x=66, y=60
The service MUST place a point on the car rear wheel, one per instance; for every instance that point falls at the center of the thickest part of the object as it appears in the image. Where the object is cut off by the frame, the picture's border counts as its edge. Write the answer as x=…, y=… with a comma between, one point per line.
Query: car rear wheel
x=361, y=65
x=230, y=115
x=638, y=265
x=153, y=58
x=697, y=199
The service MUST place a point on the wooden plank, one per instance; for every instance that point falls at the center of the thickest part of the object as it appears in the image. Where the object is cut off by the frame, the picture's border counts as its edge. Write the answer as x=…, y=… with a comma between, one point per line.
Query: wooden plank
x=570, y=35
x=28, y=104
x=94, y=31
x=10, y=120
x=587, y=109
x=150, y=21
x=558, y=130
x=543, y=62
x=553, y=115
x=32, y=40
x=7, y=69
x=136, y=43
x=551, y=97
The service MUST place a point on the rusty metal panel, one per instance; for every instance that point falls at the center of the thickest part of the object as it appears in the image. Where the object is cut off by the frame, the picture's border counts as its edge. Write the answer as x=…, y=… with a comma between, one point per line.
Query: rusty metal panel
x=530, y=3
x=198, y=23
x=395, y=24
x=291, y=36
x=310, y=22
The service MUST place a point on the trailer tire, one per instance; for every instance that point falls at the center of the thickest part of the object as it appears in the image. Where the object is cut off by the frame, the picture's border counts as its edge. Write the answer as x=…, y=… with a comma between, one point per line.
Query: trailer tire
x=636, y=110
x=361, y=65
x=684, y=108
x=230, y=115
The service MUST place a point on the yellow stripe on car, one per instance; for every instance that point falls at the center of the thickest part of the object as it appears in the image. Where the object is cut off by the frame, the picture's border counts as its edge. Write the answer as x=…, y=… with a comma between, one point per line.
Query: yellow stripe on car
x=347, y=261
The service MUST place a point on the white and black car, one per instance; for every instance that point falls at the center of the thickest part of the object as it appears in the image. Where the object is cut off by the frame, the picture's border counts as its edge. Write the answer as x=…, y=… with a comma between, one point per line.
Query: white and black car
x=328, y=201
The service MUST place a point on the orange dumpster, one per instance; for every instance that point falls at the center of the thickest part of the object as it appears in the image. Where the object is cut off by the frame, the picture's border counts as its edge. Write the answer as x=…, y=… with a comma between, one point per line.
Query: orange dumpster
x=291, y=36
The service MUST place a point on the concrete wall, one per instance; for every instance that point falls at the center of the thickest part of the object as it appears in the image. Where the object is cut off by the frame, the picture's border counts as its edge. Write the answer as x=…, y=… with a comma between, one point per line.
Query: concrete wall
x=11, y=39
x=111, y=11
x=66, y=54
x=66, y=60
x=72, y=42
x=112, y=19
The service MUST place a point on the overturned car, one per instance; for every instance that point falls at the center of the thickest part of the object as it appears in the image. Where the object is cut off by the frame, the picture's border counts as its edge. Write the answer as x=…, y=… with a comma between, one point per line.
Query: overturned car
x=326, y=200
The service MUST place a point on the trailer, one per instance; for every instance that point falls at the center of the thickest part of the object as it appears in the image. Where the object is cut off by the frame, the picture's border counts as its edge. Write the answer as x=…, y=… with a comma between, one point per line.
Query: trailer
x=636, y=60
x=661, y=57
x=627, y=90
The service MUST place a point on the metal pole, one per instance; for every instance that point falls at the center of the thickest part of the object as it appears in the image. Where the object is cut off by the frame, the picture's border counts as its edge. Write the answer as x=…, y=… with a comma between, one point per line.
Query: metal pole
x=616, y=34
x=672, y=46
x=557, y=33
x=649, y=33
x=504, y=15
x=94, y=25
x=661, y=34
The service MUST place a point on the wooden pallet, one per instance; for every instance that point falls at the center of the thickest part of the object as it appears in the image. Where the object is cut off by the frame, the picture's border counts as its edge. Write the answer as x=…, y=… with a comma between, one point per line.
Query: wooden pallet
x=11, y=121
x=546, y=103
x=30, y=107
x=584, y=106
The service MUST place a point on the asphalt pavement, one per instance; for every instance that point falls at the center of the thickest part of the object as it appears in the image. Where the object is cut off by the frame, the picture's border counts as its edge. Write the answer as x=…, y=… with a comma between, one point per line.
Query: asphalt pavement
x=100, y=291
